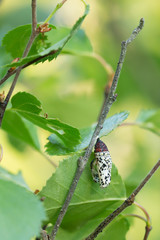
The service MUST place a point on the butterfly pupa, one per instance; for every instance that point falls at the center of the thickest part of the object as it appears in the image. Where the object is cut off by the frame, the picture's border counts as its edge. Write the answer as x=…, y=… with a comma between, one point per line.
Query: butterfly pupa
x=102, y=164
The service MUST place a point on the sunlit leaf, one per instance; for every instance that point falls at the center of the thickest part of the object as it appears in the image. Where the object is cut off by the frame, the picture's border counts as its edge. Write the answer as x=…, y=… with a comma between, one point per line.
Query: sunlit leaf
x=56, y=147
x=26, y=102
x=21, y=119
x=54, y=50
x=16, y=40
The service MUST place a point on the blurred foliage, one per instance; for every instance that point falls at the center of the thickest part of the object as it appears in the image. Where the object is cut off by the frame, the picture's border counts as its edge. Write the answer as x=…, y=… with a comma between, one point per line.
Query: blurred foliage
x=71, y=88
x=13, y=208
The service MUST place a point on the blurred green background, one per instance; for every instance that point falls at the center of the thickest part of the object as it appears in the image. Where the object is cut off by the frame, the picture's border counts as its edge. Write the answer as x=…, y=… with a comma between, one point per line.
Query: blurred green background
x=71, y=89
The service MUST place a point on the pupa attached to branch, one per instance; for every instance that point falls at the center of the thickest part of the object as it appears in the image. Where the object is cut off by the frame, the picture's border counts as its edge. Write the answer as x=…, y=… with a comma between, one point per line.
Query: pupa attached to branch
x=102, y=164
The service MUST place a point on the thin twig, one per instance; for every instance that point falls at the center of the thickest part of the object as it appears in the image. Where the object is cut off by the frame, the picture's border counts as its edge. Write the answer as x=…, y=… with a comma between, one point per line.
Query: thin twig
x=147, y=231
x=135, y=215
x=26, y=51
x=107, y=66
x=9, y=74
x=129, y=201
x=58, y=6
x=1, y=155
x=148, y=226
x=34, y=16
x=44, y=235
x=128, y=124
x=49, y=160
x=34, y=26
x=145, y=212
x=108, y=101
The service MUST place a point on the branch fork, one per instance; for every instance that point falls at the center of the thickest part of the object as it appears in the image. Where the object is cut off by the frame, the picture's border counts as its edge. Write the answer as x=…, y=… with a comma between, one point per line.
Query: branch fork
x=108, y=101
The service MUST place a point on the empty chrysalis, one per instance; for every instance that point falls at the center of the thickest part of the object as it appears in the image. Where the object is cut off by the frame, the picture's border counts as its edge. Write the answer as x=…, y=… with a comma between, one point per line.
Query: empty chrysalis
x=102, y=164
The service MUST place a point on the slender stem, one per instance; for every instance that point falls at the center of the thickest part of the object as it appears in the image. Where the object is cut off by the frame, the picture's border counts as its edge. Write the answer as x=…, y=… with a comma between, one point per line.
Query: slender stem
x=145, y=212
x=26, y=51
x=58, y=6
x=108, y=101
x=128, y=124
x=34, y=16
x=129, y=201
x=135, y=215
x=48, y=159
x=34, y=26
x=8, y=74
x=102, y=61
x=1, y=155
x=148, y=228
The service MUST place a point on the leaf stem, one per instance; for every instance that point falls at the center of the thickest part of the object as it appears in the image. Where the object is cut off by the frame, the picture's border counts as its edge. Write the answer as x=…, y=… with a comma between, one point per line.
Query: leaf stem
x=135, y=215
x=145, y=212
x=129, y=201
x=108, y=101
x=148, y=228
x=48, y=159
x=58, y=6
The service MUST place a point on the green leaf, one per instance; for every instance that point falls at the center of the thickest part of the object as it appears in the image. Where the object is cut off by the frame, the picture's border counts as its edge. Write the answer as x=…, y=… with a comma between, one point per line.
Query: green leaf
x=26, y=102
x=65, y=133
x=88, y=198
x=117, y=229
x=20, y=128
x=21, y=213
x=16, y=40
x=56, y=147
x=150, y=120
x=18, y=179
x=109, y=125
x=25, y=111
x=54, y=50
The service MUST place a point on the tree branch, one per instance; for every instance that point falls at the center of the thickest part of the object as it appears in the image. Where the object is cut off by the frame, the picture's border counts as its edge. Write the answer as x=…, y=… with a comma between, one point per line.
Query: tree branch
x=26, y=51
x=147, y=231
x=108, y=101
x=44, y=235
x=129, y=201
x=9, y=74
x=34, y=30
